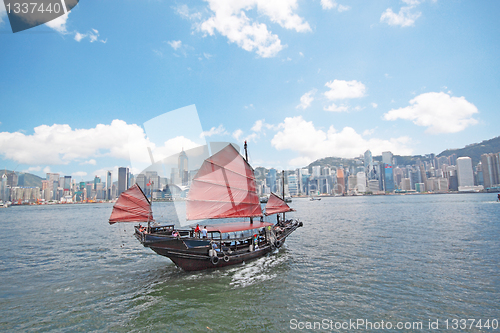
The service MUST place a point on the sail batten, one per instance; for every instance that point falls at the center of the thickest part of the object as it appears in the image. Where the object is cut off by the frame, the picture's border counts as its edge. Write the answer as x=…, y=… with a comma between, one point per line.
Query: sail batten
x=276, y=205
x=224, y=187
x=132, y=206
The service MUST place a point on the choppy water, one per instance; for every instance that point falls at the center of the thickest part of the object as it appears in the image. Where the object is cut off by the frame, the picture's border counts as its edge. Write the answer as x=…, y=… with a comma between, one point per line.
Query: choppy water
x=382, y=258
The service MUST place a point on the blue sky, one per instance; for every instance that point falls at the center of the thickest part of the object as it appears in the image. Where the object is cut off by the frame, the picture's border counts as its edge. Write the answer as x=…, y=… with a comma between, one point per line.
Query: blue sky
x=300, y=80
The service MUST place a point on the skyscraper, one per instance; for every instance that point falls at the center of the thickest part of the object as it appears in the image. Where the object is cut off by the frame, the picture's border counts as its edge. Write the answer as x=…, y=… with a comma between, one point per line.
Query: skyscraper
x=368, y=161
x=465, y=173
x=183, y=167
x=123, y=177
x=387, y=157
x=108, y=185
x=491, y=169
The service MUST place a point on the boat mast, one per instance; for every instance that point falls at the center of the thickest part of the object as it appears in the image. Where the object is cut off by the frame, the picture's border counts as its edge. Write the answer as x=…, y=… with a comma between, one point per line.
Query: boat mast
x=246, y=158
x=283, y=186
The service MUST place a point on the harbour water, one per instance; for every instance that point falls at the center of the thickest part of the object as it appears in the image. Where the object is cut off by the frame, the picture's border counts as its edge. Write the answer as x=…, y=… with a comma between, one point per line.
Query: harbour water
x=400, y=260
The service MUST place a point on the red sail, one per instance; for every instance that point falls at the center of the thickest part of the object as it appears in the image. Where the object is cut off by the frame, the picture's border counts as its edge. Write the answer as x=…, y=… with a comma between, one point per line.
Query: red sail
x=223, y=187
x=132, y=206
x=276, y=205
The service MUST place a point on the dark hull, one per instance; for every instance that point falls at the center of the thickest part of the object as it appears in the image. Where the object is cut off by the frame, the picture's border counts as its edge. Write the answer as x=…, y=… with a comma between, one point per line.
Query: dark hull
x=192, y=254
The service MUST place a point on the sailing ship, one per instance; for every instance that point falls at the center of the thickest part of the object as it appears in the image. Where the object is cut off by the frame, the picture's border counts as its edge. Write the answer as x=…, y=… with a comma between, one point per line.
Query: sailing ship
x=223, y=188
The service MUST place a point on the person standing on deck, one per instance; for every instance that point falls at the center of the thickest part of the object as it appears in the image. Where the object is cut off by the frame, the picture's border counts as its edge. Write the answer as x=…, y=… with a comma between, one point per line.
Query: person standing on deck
x=204, y=232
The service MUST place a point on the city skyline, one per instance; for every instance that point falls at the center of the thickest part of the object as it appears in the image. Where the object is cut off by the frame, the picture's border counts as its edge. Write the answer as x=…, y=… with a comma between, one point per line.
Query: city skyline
x=90, y=91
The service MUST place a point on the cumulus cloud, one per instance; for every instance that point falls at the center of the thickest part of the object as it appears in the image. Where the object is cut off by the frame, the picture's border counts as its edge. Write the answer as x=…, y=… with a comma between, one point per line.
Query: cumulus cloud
x=60, y=144
x=306, y=99
x=175, y=44
x=231, y=19
x=340, y=89
x=331, y=4
x=3, y=13
x=59, y=24
x=334, y=108
x=439, y=112
x=93, y=36
x=257, y=127
x=315, y=143
x=405, y=18
x=214, y=131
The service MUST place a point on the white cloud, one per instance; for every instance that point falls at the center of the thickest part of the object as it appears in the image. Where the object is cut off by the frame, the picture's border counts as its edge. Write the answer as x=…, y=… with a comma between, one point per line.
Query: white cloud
x=33, y=169
x=59, y=24
x=237, y=134
x=328, y=4
x=374, y=105
x=213, y=131
x=79, y=36
x=3, y=13
x=79, y=174
x=230, y=19
x=257, y=127
x=175, y=44
x=60, y=144
x=91, y=162
x=405, y=18
x=331, y=4
x=306, y=99
x=340, y=89
x=93, y=36
x=343, y=8
x=335, y=108
x=439, y=112
x=314, y=143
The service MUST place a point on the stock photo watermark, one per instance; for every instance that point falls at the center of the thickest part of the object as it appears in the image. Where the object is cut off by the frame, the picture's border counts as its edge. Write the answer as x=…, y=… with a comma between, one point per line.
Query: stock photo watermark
x=26, y=14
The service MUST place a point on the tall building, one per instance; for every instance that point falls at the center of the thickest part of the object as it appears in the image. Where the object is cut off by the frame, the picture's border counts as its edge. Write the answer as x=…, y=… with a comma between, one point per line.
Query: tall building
x=388, y=178
x=123, y=178
x=465, y=173
x=316, y=171
x=339, y=188
x=183, y=168
x=271, y=180
x=293, y=186
x=490, y=164
x=109, y=183
x=12, y=179
x=4, y=189
x=387, y=157
x=368, y=162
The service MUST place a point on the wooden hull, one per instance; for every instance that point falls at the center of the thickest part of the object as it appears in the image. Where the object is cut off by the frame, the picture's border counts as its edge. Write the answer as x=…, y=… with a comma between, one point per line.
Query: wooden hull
x=194, y=254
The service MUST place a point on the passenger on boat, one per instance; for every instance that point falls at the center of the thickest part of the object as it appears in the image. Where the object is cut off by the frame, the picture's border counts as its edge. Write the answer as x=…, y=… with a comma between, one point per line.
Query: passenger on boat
x=204, y=232
x=197, y=231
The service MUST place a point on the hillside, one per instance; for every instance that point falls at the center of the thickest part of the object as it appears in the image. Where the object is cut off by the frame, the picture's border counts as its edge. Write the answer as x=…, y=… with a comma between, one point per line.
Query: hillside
x=30, y=180
x=475, y=150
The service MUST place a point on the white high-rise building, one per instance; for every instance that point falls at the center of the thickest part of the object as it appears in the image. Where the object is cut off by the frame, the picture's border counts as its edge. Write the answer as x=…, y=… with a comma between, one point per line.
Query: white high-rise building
x=465, y=173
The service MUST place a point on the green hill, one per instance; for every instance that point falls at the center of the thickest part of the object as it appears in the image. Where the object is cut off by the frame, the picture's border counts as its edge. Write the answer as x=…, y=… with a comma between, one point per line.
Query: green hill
x=25, y=179
x=475, y=150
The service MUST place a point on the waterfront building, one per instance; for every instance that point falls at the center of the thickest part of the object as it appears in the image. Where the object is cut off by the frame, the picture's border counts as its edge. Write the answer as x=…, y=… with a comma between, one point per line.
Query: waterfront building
x=109, y=183
x=420, y=187
x=12, y=179
x=387, y=157
x=4, y=189
x=368, y=162
x=316, y=171
x=183, y=168
x=361, y=182
x=388, y=178
x=490, y=164
x=398, y=175
x=373, y=186
x=141, y=181
x=123, y=180
x=406, y=184
x=465, y=173
x=339, y=188
x=293, y=186
x=271, y=180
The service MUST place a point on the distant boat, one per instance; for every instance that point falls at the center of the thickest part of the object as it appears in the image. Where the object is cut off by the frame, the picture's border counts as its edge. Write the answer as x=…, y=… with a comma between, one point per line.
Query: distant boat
x=224, y=187
x=314, y=199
